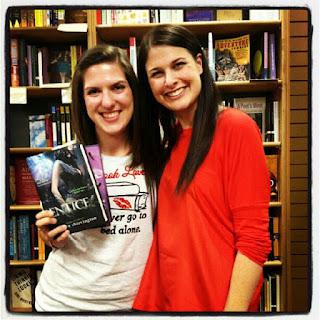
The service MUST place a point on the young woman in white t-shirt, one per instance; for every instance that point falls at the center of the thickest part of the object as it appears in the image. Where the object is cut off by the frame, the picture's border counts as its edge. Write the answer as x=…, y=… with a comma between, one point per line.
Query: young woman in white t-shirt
x=100, y=269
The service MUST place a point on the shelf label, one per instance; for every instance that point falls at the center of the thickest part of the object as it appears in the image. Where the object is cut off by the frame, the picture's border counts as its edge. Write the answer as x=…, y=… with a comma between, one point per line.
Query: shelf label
x=66, y=95
x=18, y=95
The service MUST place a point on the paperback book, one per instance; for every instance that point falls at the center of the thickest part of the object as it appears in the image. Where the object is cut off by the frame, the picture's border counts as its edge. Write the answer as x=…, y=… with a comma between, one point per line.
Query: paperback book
x=233, y=59
x=66, y=186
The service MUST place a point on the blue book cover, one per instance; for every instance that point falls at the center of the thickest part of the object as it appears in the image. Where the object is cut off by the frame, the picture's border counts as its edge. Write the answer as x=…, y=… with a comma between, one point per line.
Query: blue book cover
x=66, y=186
x=37, y=129
x=24, y=241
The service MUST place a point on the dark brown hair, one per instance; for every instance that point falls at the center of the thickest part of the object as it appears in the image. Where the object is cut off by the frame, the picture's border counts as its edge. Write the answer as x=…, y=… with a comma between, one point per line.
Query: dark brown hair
x=205, y=115
x=83, y=126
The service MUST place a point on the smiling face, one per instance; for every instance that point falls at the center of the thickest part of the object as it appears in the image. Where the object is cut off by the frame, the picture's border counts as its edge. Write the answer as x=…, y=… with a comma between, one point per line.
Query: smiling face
x=174, y=78
x=108, y=99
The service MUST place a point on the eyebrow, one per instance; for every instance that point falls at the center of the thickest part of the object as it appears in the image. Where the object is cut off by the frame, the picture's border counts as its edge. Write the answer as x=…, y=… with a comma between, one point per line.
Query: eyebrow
x=172, y=62
x=122, y=81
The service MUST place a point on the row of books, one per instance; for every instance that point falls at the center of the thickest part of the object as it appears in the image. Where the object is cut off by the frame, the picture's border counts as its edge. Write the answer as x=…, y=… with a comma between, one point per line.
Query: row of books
x=23, y=281
x=45, y=66
x=138, y=16
x=24, y=240
x=29, y=18
x=51, y=130
x=270, y=294
x=265, y=113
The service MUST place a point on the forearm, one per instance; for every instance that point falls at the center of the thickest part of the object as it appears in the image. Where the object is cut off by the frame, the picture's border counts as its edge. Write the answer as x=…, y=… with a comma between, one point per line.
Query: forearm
x=244, y=280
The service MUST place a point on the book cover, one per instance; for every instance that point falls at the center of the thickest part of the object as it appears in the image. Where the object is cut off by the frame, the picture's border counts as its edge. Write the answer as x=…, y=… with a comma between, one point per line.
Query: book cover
x=66, y=186
x=255, y=107
x=26, y=192
x=21, y=284
x=37, y=131
x=233, y=59
x=94, y=158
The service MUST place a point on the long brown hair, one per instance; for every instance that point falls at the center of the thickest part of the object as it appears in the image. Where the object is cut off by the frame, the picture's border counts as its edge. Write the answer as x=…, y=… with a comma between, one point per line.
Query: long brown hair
x=205, y=116
x=83, y=126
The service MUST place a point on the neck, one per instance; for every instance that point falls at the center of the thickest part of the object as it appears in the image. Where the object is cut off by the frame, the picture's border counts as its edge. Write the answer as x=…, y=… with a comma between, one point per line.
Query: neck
x=114, y=146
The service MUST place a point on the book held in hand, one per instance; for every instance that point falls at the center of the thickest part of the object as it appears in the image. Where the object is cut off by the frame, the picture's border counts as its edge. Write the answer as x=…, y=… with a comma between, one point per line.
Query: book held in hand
x=66, y=186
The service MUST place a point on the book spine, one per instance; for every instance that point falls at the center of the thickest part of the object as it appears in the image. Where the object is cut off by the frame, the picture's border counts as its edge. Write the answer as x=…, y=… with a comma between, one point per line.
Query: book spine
x=11, y=239
x=68, y=124
x=23, y=70
x=63, y=125
x=24, y=18
x=211, y=59
x=58, y=125
x=40, y=78
x=265, y=72
x=54, y=125
x=272, y=57
x=276, y=121
x=99, y=16
x=29, y=64
x=34, y=65
x=31, y=18
x=49, y=133
x=45, y=64
x=24, y=246
x=14, y=55
x=37, y=131
x=133, y=53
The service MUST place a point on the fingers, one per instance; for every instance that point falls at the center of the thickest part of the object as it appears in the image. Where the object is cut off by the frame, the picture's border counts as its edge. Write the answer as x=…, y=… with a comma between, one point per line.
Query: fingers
x=56, y=237
x=61, y=240
x=45, y=218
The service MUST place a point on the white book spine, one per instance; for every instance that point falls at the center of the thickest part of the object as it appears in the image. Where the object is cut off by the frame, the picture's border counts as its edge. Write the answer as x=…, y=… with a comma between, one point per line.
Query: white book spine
x=211, y=59
x=276, y=121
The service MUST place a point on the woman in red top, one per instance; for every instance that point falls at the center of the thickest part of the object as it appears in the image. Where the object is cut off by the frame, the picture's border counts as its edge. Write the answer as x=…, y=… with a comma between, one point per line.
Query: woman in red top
x=211, y=238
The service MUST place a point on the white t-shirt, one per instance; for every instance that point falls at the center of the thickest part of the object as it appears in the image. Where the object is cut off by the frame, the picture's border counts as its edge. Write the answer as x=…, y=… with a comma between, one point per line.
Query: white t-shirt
x=100, y=269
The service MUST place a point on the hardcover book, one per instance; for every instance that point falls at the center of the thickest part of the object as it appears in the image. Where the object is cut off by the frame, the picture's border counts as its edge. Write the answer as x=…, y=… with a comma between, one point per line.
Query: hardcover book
x=233, y=59
x=66, y=186
x=255, y=107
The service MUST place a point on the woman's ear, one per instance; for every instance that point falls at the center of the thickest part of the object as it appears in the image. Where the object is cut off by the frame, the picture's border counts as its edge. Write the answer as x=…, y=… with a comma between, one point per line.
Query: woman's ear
x=199, y=62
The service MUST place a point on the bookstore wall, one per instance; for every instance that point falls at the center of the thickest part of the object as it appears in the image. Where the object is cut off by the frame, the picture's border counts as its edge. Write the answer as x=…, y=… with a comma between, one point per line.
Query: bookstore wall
x=250, y=54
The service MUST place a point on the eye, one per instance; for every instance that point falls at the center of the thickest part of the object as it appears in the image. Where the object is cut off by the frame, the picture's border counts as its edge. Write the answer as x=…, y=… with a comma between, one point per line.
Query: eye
x=119, y=86
x=179, y=64
x=92, y=91
x=155, y=74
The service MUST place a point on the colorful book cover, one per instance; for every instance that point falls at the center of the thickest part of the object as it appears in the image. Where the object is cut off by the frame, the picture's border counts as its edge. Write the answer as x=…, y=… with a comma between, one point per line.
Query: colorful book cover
x=94, y=158
x=233, y=59
x=66, y=186
x=37, y=131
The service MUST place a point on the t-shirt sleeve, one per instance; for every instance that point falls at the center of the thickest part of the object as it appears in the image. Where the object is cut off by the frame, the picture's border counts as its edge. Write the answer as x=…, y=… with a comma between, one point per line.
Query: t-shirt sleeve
x=247, y=187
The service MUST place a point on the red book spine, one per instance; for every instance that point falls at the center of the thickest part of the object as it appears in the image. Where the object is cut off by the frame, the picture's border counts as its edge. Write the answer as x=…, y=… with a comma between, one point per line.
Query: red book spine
x=99, y=16
x=14, y=54
x=49, y=132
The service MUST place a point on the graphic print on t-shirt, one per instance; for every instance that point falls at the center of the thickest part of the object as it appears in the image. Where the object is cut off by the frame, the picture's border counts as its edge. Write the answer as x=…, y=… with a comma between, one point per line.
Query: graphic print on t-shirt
x=128, y=200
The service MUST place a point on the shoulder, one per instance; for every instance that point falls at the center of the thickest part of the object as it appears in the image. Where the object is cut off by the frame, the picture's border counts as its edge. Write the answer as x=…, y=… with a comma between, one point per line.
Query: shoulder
x=236, y=125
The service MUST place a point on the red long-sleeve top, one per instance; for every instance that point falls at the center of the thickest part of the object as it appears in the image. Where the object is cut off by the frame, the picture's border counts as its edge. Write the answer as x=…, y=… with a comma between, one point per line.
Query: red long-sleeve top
x=199, y=232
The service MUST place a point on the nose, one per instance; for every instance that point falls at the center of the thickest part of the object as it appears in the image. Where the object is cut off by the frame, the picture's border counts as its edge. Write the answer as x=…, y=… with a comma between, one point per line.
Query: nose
x=170, y=78
x=107, y=100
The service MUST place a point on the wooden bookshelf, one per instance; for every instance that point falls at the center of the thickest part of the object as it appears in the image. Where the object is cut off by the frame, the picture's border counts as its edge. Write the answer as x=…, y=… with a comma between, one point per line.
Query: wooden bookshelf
x=278, y=88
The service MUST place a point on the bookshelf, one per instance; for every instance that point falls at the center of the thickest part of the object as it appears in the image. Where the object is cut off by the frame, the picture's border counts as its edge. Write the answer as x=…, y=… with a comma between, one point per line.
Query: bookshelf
x=278, y=89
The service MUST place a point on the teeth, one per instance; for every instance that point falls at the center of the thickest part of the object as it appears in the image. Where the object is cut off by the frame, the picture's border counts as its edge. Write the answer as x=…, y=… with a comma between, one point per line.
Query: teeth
x=175, y=93
x=110, y=114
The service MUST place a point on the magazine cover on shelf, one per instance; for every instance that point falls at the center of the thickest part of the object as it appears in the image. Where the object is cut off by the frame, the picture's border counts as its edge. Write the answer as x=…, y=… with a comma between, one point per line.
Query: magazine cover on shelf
x=233, y=59
x=66, y=185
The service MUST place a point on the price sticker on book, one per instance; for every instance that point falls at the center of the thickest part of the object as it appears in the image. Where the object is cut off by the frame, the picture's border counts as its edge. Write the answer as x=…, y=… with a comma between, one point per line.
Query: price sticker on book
x=66, y=95
x=18, y=95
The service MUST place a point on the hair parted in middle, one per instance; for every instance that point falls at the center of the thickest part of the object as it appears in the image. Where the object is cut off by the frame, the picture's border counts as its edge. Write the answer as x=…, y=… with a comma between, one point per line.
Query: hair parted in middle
x=204, y=121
